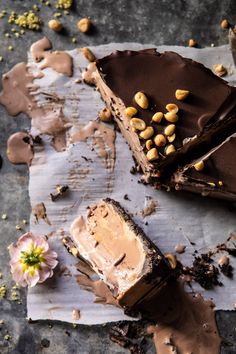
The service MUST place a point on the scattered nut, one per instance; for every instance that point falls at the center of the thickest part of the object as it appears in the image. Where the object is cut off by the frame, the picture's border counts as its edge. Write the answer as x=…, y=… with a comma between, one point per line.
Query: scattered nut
x=172, y=107
x=171, y=259
x=199, y=166
x=131, y=111
x=152, y=154
x=18, y=227
x=105, y=115
x=171, y=138
x=219, y=70
x=220, y=183
x=137, y=123
x=224, y=24
x=170, y=149
x=55, y=25
x=147, y=133
x=88, y=54
x=160, y=140
x=192, y=43
x=171, y=117
x=169, y=130
x=157, y=117
x=149, y=144
x=211, y=184
x=4, y=216
x=84, y=25
x=141, y=99
x=181, y=94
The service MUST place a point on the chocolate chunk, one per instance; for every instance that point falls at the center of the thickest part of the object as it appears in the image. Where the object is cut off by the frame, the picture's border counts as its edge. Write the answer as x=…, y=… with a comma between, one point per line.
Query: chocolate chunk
x=205, y=117
x=125, y=259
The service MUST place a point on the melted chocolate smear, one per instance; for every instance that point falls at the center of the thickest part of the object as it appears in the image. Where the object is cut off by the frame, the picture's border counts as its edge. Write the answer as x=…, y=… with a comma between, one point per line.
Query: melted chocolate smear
x=20, y=148
x=16, y=97
x=59, y=61
x=185, y=322
x=103, y=137
x=99, y=288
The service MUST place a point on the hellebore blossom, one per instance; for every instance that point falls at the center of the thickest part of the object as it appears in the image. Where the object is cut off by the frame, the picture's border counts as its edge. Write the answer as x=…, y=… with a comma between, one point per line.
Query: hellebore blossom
x=32, y=261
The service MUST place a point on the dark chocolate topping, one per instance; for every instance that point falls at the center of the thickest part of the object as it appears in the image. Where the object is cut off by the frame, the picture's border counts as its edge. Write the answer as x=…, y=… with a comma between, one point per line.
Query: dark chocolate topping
x=159, y=75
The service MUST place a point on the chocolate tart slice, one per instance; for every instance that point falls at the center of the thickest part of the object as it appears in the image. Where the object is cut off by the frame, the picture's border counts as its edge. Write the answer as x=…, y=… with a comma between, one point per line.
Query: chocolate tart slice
x=213, y=175
x=205, y=114
x=120, y=253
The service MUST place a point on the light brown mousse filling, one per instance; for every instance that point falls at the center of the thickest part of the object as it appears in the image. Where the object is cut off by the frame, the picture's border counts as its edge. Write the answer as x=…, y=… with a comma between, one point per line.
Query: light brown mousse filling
x=111, y=247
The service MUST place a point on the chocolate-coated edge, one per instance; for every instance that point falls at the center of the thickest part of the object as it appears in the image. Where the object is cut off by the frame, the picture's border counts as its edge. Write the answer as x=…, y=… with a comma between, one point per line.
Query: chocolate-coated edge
x=210, y=137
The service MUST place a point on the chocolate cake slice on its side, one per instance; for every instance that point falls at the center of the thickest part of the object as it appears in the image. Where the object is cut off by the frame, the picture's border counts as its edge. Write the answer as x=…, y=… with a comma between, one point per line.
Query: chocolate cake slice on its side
x=120, y=253
x=213, y=175
x=206, y=105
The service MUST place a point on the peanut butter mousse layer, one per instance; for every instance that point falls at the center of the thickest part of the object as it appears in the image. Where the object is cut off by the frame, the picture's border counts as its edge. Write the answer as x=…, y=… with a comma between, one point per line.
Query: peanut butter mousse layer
x=120, y=253
x=168, y=108
x=213, y=175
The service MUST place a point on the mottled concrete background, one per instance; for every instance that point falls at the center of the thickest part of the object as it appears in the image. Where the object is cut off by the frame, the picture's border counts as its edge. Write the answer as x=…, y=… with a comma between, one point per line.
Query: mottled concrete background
x=160, y=22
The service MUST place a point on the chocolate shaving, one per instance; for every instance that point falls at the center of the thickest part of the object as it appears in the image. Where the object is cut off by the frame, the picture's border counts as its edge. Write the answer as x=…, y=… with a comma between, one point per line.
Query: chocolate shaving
x=126, y=335
x=227, y=270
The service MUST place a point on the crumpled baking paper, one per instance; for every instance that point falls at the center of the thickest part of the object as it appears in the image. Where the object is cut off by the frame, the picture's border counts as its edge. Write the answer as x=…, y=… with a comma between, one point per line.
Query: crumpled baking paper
x=179, y=217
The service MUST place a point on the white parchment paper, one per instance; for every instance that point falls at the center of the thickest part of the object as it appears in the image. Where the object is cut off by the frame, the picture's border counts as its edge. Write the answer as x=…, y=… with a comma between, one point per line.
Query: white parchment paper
x=179, y=217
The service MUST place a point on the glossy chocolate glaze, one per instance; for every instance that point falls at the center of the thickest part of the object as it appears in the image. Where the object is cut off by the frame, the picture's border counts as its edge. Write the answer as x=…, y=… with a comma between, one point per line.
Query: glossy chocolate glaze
x=217, y=177
x=211, y=101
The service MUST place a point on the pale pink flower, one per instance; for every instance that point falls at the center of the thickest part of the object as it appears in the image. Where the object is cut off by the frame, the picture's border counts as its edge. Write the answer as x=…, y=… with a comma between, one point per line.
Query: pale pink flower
x=32, y=261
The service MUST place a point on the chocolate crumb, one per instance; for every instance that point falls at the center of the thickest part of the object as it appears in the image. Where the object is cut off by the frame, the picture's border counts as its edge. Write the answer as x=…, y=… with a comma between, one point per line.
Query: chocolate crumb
x=45, y=343
x=126, y=197
x=227, y=270
x=204, y=272
x=60, y=191
x=127, y=336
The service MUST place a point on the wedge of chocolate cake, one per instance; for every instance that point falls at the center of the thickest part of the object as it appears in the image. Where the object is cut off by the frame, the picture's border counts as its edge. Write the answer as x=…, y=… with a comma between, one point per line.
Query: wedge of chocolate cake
x=120, y=253
x=168, y=108
x=213, y=175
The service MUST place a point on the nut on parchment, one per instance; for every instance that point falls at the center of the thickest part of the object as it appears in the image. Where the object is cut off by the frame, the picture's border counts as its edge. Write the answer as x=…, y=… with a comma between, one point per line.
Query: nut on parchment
x=192, y=43
x=84, y=25
x=131, y=111
x=171, y=117
x=141, y=100
x=224, y=24
x=55, y=25
x=181, y=94
x=219, y=70
x=147, y=133
x=149, y=144
x=152, y=154
x=105, y=115
x=172, y=107
x=160, y=140
x=169, y=130
x=88, y=54
x=199, y=166
x=157, y=117
x=170, y=149
x=171, y=259
x=137, y=123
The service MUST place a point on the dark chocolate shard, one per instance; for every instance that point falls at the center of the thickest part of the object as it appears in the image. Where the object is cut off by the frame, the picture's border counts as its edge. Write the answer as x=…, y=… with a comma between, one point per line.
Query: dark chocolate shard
x=206, y=117
x=120, y=253
x=216, y=179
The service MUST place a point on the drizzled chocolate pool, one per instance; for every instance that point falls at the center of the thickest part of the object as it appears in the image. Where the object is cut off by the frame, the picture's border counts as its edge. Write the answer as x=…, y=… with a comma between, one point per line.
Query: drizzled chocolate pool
x=182, y=108
x=213, y=175
x=120, y=253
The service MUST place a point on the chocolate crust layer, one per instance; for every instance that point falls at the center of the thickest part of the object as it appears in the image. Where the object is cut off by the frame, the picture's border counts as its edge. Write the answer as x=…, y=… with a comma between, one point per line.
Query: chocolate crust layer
x=205, y=117
x=216, y=179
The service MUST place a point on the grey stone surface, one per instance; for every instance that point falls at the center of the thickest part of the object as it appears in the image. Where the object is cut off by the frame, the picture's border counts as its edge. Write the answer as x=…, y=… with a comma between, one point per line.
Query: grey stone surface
x=160, y=22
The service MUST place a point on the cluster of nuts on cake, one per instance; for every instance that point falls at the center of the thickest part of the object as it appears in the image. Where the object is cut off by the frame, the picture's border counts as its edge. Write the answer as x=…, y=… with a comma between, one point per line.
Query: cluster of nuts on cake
x=147, y=132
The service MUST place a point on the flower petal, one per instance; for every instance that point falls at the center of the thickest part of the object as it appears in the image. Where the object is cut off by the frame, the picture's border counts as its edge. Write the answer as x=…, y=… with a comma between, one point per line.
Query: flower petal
x=31, y=276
